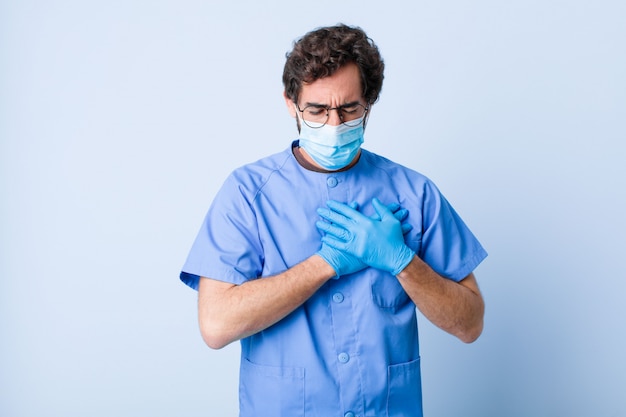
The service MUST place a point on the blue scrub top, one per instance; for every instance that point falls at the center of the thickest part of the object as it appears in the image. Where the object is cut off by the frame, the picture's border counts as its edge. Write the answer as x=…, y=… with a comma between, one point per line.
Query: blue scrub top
x=352, y=348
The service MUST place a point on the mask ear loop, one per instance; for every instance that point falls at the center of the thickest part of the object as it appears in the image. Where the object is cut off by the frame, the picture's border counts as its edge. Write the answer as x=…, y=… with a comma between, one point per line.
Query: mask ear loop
x=366, y=116
x=298, y=118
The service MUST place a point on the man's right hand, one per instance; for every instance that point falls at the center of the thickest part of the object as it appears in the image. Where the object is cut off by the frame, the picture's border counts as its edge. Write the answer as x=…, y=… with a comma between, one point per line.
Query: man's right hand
x=344, y=263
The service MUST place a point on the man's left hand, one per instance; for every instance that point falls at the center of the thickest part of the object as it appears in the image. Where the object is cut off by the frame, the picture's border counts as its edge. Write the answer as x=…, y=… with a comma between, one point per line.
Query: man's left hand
x=377, y=242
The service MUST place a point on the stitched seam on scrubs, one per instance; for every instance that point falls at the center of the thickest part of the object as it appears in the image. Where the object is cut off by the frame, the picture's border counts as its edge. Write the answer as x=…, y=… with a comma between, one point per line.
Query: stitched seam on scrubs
x=335, y=349
x=477, y=257
x=386, y=168
x=472, y=259
x=273, y=171
x=375, y=166
x=258, y=192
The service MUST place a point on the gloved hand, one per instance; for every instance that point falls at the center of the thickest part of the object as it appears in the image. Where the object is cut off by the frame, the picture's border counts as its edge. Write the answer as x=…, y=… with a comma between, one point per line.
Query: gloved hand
x=399, y=213
x=342, y=262
x=377, y=241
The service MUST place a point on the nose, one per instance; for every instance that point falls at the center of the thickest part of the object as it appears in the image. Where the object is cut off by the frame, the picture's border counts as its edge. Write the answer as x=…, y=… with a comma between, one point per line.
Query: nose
x=333, y=117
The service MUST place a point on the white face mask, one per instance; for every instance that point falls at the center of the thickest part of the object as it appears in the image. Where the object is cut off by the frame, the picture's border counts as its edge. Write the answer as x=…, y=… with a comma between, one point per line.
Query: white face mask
x=332, y=147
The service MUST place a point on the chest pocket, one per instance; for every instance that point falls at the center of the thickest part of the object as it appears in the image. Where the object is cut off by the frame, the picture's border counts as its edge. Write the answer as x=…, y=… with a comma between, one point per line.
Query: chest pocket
x=388, y=294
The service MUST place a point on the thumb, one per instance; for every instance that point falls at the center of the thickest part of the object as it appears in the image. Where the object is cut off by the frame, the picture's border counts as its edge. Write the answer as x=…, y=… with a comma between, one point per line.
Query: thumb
x=381, y=209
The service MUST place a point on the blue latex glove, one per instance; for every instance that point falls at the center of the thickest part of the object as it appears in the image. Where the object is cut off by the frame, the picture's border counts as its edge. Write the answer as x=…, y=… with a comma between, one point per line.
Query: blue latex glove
x=377, y=242
x=342, y=262
x=400, y=214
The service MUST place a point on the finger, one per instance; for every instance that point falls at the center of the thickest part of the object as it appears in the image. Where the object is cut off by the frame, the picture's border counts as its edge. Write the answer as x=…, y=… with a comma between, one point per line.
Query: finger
x=393, y=207
x=381, y=209
x=406, y=228
x=333, y=217
x=400, y=214
x=333, y=230
x=334, y=242
x=323, y=226
x=344, y=209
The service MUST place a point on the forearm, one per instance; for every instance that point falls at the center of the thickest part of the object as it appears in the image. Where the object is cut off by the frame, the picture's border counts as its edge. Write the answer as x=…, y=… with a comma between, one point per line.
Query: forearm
x=456, y=307
x=231, y=312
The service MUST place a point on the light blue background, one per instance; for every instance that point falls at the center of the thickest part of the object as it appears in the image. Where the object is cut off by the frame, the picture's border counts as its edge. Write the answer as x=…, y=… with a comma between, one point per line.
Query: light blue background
x=119, y=120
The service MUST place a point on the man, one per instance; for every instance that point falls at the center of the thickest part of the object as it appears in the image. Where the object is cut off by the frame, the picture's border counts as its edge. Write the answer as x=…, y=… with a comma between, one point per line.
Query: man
x=315, y=258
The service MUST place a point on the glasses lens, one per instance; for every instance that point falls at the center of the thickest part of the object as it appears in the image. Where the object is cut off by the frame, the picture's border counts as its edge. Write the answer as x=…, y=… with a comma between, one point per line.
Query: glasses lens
x=317, y=116
x=351, y=115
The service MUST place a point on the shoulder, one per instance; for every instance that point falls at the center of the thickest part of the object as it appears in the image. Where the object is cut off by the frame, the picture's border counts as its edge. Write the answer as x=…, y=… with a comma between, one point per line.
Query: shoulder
x=248, y=179
x=397, y=172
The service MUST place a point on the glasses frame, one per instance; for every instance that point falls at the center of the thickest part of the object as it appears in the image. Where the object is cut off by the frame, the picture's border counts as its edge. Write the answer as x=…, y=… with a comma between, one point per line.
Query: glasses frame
x=338, y=109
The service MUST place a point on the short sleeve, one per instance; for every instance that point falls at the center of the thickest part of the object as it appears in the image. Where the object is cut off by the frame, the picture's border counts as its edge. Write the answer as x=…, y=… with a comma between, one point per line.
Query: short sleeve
x=448, y=246
x=227, y=247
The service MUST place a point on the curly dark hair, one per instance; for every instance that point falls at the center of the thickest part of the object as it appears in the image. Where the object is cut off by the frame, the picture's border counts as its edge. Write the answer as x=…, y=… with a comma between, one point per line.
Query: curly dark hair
x=321, y=52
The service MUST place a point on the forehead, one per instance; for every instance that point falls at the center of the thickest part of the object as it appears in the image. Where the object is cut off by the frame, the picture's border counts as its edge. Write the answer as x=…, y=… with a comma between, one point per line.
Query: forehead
x=342, y=87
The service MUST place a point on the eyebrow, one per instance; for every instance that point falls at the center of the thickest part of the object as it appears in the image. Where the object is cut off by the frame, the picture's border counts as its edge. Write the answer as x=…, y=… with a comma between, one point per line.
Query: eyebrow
x=312, y=104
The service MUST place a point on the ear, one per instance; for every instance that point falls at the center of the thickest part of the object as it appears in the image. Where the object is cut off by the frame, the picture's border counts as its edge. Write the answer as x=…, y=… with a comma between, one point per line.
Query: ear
x=290, y=105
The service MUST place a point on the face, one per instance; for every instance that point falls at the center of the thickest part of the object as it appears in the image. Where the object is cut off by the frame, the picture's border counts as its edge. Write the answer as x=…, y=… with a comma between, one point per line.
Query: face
x=343, y=87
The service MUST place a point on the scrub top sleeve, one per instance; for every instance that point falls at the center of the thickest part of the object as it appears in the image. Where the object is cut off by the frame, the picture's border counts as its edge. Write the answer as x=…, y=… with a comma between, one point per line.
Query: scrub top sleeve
x=448, y=245
x=227, y=247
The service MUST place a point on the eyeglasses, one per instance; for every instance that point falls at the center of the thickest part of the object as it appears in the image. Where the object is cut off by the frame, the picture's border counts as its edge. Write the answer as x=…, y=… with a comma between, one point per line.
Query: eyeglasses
x=317, y=115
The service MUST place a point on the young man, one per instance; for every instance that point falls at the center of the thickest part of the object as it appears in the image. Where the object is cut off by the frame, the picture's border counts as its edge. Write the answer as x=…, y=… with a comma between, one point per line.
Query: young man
x=317, y=257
